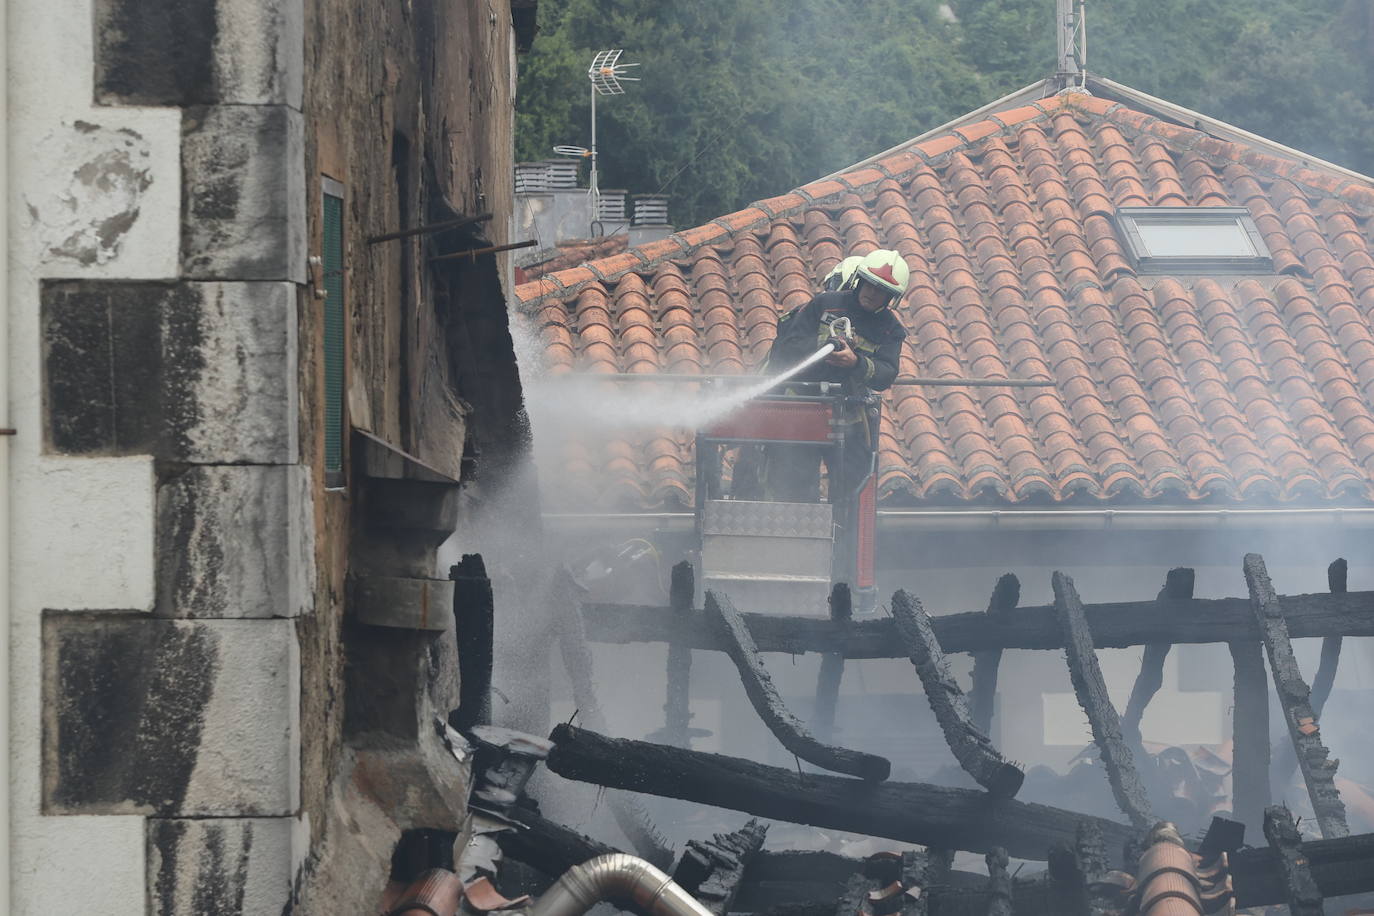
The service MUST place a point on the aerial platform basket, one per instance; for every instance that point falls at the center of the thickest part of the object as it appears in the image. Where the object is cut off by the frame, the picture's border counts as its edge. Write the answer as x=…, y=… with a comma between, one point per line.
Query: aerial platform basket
x=783, y=557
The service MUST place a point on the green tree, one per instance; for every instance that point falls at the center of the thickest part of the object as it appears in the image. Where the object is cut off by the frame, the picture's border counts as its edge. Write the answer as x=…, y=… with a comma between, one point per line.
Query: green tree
x=746, y=99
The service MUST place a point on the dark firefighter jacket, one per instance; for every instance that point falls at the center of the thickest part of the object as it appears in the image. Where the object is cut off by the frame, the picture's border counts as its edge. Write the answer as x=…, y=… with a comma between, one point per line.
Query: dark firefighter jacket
x=877, y=341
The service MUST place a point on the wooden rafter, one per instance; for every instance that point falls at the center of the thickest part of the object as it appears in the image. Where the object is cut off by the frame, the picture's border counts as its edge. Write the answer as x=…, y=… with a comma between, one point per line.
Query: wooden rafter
x=982, y=696
x=1318, y=770
x=971, y=747
x=1086, y=675
x=785, y=726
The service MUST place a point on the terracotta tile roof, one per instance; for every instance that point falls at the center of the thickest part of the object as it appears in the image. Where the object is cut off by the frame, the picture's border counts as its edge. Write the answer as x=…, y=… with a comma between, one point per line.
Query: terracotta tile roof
x=570, y=254
x=1172, y=389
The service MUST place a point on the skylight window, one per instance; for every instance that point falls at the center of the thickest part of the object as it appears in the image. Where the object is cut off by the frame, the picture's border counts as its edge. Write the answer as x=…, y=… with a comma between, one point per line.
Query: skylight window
x=1193, y=240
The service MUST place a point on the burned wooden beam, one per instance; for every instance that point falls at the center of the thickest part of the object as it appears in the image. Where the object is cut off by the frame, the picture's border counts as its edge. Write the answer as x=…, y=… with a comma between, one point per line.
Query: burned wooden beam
x=971, y=746
x=910, y=812
x=712, y=870
x=1088, y=685
x=786, y=727
x=1249, y=733
x=677, y=715
x=982, y=697
x=1068, y=884
x=1114, y=625
x=999, y=883
x=629, y=814
x=1325, y=677
x=1283, y=753
x=547, y=846
x=832, y=667
x=1178, y=586
x=1317, y=769
x=1304, y=898
x=1340, y=867
x=474, y=618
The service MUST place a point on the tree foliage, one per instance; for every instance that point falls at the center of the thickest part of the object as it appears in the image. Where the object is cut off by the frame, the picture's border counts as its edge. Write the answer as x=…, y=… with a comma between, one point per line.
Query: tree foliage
x=746, y=99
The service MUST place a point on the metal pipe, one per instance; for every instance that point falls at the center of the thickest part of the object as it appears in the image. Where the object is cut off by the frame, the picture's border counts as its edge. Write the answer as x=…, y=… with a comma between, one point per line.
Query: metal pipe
x=616, y=875
x=5, y=806
x=432, y=227
x=687, y=378
x=1021, y=519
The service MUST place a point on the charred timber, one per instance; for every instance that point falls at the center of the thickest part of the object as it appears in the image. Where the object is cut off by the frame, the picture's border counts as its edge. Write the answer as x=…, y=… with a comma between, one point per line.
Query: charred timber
x=1322, y=682
x=1340, y=867
x=474, y=617
x=970, y=745
x=547, y=846
x=1088, y=684
x=982, y=697
x=1304, y=897
x=1250, y=734
x=911, y=812
x=1318, y=770
x=832, y=667
x=1114, y=625
x=677, y=716
x=786, y=727
x=1178, y=585
x=999, y=883
x=712, y=870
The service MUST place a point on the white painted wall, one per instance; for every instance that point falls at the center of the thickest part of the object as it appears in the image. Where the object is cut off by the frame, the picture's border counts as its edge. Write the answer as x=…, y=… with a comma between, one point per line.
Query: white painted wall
x=81, y=528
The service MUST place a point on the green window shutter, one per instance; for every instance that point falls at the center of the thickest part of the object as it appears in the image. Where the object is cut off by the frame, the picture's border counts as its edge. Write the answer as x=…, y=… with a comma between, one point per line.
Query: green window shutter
x=333, y=332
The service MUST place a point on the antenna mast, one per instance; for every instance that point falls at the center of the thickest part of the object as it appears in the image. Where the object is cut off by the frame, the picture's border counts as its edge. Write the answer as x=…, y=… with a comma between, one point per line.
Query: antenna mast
x=606, y=74
x=1071, y=70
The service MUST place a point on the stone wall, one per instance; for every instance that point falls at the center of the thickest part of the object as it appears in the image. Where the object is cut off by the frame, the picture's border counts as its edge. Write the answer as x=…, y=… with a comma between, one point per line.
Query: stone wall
x=182, y=576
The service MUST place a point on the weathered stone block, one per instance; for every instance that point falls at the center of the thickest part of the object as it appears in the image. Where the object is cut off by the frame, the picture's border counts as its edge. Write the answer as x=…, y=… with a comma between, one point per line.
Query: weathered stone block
x=170, y=52
x=235, y=541
x=170, y=717
x=243, y=193
x=412, y=604
x=219, y=867
x=195, y=372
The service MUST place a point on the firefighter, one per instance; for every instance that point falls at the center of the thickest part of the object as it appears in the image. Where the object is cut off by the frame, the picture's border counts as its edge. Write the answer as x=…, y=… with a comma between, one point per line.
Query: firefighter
x=841, y=273
x=864, y=363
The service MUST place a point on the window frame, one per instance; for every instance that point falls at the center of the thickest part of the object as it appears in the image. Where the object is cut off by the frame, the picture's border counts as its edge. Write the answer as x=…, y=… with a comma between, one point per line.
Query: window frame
x=1127, y=221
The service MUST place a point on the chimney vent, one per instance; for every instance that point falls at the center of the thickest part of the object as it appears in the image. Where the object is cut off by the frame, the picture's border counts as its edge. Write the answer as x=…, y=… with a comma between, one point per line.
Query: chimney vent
x=562, y=173
x=611, y=206
x=531, y=177
x=650, y=210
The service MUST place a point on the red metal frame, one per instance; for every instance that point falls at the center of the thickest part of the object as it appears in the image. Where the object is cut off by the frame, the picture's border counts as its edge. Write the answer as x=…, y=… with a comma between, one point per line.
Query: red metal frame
x=776, y=421
x=867, y=525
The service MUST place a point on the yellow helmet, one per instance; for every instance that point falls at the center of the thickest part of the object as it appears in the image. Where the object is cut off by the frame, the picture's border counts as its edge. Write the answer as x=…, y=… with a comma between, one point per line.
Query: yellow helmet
x=885, y=269
x=839, y=276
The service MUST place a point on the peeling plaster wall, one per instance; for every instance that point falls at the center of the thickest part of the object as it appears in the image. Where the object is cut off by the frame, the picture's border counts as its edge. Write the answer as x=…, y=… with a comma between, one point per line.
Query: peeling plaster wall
x=95, y=193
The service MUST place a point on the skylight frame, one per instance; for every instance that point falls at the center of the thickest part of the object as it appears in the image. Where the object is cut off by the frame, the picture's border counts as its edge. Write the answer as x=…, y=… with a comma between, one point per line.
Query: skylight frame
x=1128, y=219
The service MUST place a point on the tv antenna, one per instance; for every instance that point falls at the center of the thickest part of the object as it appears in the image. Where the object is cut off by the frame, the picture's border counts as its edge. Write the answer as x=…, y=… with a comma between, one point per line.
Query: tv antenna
x=606, y=74
x=1071, y=31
